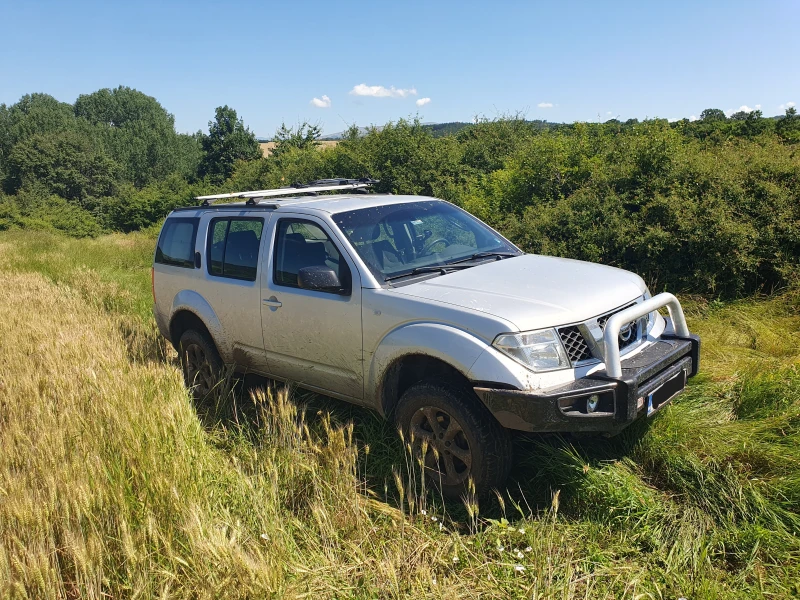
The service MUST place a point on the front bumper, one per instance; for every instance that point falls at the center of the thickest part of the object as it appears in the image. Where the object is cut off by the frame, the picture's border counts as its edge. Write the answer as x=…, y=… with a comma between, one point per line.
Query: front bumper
x=648, y=381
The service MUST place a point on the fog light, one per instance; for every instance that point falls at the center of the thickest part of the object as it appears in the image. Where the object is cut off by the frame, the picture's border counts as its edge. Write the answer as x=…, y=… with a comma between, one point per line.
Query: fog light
x=592, y=402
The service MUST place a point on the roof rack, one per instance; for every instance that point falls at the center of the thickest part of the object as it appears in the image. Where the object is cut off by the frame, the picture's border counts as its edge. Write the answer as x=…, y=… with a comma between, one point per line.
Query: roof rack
x=313, y=187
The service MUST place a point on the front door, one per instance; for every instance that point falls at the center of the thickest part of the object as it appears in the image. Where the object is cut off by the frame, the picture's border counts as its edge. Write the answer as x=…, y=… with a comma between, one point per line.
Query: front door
x=312, y=337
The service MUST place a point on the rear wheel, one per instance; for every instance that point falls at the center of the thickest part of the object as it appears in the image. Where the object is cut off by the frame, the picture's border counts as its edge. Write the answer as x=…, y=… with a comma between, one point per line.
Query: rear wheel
x=201, y=363
x=460, y=438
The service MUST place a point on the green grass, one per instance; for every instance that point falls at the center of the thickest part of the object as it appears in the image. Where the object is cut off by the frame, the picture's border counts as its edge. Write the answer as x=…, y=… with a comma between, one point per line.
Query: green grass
x=113, y=483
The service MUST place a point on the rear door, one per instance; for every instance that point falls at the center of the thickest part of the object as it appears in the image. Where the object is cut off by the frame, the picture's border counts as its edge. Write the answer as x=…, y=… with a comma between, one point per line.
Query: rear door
x=311, y=337
x=231, y=281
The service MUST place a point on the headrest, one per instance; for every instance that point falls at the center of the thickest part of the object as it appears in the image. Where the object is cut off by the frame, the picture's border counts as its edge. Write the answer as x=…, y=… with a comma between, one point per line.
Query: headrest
x=365, y=233
x=295, y=238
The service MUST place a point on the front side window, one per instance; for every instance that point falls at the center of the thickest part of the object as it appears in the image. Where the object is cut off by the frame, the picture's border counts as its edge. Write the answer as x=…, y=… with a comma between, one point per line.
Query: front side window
x=233, y=245
x=398, y=239
x=300, y=243
x=176, y=243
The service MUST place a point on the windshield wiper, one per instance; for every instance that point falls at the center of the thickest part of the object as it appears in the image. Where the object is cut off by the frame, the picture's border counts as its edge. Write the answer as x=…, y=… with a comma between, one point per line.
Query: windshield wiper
x=443, y=269
x=477, y=255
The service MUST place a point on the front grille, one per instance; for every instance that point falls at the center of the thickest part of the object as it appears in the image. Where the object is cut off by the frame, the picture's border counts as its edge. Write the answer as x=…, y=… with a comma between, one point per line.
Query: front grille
x=574, y=344
x=634, y=328
x=604, y=319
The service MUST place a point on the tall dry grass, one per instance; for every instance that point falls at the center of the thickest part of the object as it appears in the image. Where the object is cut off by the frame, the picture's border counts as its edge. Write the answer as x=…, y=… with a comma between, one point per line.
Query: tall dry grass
x=113, y=484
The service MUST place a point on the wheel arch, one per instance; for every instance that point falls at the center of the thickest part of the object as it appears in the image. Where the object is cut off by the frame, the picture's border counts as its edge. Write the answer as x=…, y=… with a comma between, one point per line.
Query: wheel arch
x=410, y=369
x=416, y=351
x=191, y=311
x=184, y=320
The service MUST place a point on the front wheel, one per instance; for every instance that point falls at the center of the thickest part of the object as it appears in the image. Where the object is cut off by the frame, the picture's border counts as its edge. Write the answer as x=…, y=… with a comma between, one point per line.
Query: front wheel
x=461, y=439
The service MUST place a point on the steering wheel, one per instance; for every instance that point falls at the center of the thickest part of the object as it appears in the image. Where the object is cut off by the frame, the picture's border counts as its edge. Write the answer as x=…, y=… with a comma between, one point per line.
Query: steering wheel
x=429, y=245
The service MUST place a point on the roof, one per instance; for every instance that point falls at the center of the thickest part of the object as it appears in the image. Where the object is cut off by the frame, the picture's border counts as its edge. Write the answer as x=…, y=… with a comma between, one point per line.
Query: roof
x=331, y=204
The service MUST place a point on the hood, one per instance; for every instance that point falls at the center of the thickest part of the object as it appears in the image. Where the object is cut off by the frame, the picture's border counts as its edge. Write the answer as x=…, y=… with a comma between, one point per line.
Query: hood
x=533, y=291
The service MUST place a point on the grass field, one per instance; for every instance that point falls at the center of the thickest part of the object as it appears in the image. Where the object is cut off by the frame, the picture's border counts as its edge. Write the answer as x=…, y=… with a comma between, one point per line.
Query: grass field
x=267, y=147
x=114, y=485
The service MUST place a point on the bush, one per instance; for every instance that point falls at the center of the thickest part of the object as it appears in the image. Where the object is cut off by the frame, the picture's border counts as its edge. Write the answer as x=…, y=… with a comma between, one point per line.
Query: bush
x=47, y=213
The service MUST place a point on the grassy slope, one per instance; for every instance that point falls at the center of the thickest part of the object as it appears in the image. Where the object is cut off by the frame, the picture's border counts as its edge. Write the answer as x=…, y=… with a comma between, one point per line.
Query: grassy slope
x=110, y=483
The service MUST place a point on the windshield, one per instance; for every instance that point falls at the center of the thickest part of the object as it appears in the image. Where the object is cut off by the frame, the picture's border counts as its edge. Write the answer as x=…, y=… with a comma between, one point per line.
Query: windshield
x=398, y=239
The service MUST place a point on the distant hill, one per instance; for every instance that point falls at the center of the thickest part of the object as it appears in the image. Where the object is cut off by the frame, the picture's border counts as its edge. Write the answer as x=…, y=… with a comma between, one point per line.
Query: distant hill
x=440, y=129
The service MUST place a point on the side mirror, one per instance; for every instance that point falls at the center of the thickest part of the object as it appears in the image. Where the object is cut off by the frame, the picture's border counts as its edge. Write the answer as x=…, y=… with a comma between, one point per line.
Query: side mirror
x=320, y=278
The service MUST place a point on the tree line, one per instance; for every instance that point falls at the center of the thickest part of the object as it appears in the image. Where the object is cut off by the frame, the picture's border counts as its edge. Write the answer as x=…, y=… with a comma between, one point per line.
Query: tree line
x=708, y=206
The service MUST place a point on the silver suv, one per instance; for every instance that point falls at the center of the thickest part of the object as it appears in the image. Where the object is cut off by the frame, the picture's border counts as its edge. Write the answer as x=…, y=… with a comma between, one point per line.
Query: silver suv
x=413, y=307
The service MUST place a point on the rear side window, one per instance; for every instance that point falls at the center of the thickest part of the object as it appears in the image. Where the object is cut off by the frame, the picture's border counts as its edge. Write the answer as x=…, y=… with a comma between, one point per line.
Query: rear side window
x=233, y=245
x=176, y=243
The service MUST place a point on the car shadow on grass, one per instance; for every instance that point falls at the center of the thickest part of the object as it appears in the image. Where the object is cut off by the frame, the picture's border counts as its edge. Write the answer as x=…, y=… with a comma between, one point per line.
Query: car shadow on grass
x=545, y=466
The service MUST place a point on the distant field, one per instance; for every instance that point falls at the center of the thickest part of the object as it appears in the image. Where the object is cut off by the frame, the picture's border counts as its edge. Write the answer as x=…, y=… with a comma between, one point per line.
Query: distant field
x=266, y=147
x=114, y=485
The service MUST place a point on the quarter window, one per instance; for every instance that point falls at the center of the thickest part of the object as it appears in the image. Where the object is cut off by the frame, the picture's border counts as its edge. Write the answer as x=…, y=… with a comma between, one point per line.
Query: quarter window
x=301, y=243
x=176, y=243
x=233, y=246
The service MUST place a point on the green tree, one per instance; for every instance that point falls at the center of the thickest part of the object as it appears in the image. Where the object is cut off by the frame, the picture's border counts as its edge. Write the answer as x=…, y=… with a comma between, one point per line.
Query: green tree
x=67, y=164
x=789, y=126
x=228, y=140
x=32, y=114
x=139, y=134
x=286, y=138
x=712, y=115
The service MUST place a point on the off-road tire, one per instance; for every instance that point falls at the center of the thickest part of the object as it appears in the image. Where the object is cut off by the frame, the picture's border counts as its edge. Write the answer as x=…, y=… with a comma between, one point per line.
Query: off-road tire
x=201, y=363
x=455, y=408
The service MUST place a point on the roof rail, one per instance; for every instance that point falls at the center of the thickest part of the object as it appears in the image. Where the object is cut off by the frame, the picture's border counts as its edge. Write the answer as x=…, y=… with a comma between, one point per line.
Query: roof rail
x=313, y=187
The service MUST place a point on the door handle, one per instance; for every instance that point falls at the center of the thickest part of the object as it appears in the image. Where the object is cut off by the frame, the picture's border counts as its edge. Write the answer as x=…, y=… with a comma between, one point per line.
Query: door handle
x=273, y=302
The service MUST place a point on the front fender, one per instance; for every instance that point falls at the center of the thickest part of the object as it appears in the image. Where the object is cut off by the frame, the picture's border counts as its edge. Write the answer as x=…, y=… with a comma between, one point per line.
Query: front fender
x=458, y=348
x=193, y=302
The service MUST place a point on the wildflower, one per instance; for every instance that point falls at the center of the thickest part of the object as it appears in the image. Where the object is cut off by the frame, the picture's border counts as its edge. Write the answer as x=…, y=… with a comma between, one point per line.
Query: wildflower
x=441, y=526
x=521, y=530
x=519, y=554
x=264, y=536
x=501, y=548
x=519, y=568
x=455, y=559
x=424, y=512
x=433, y=580
x=434, y=519
x=528, y=549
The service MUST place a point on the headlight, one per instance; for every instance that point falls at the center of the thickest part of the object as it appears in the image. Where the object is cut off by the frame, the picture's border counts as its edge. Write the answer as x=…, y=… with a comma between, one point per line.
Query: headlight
x=538, y=350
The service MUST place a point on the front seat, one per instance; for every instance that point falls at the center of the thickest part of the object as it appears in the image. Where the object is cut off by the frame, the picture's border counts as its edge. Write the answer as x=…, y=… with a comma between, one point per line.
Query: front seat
x=379, y=254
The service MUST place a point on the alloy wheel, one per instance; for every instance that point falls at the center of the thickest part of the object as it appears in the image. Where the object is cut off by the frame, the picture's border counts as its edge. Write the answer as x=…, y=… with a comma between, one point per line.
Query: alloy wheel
x=448, y=457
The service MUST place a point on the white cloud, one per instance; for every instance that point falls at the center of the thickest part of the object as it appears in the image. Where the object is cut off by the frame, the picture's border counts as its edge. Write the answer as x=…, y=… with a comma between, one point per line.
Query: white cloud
x=378, y=91
x=545, y=105
x=323, y=102
x=693, y=118
x=423, y=101
x=787, y=105
x=758, y=107
x=608, y=112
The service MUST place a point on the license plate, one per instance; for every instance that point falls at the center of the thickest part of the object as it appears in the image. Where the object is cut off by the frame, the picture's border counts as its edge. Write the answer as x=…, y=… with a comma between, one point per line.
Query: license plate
x=662, y=395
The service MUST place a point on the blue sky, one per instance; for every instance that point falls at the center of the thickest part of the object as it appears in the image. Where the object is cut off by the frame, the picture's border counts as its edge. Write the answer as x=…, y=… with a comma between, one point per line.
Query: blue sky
x=371, y=62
